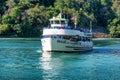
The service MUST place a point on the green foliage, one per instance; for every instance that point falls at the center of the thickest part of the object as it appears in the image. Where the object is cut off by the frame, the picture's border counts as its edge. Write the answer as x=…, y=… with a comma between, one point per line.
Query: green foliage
x=114, y=26
x=60, y=4
x=2, y=9
x=4, y=29
x=2, y=6
x=26, y=18
x=12, y=17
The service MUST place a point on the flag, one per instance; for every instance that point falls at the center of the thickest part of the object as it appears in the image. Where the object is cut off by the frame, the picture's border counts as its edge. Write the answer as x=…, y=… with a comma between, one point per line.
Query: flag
x=61, y=26
x=59, y=15
x=73, y=18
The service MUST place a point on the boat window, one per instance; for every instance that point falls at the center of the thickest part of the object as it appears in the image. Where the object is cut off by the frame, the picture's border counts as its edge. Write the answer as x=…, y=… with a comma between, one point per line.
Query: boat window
x=90, y=38
x=84, y=39
x=87, y=38
x=62, y=22
x=80, y=38
x=57, y=22
x=51, y=22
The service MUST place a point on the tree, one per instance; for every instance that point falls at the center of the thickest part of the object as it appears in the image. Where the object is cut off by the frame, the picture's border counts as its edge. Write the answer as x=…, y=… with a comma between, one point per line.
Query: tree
x=60, y=4
x=28, y=17
x=114, y=26
x=35, y=19
x=2, y=9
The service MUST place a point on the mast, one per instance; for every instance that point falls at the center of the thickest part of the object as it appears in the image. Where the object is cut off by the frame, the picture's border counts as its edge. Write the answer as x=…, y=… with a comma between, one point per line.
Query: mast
x=75, y=22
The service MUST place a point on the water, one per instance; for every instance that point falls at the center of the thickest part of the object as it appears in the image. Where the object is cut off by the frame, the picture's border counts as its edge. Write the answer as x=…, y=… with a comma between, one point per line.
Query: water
x=24, y=60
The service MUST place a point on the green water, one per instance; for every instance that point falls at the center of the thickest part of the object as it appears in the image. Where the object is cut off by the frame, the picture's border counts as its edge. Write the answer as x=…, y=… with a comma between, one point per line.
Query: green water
x=22, y=59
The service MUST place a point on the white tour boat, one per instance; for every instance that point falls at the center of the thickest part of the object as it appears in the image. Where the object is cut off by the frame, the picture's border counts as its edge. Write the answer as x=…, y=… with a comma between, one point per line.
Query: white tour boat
x=60, y=37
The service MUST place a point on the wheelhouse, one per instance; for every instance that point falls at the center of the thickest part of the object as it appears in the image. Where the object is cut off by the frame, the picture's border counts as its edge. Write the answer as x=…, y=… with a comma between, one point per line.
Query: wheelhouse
x=58, y=22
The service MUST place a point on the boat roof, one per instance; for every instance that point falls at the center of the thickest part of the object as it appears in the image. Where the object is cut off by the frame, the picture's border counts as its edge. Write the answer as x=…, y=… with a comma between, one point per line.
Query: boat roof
x=57, y=19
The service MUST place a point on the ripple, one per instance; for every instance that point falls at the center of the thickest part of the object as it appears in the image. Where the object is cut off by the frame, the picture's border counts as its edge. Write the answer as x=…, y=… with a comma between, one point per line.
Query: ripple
x=39, y=51
x=24, y=60
x=106, y=50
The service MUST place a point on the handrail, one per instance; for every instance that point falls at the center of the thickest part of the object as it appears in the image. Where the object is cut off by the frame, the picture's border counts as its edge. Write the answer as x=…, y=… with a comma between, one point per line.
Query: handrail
x=62, y=37
x=79, y=29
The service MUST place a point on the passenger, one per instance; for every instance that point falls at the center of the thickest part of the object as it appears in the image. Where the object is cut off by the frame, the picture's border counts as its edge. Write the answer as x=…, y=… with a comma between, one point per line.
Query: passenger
x=62, y=37
x=70, y=39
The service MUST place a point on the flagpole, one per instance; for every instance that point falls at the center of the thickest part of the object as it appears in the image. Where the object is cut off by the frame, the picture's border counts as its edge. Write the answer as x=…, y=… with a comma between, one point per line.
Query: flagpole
x=75, y=22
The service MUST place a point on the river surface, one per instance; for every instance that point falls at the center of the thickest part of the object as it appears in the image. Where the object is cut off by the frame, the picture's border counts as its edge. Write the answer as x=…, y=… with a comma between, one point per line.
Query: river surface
x=22, y=59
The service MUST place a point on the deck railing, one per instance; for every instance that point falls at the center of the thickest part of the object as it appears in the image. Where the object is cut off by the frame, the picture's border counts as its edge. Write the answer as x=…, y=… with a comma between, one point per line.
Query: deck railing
x=79, y=29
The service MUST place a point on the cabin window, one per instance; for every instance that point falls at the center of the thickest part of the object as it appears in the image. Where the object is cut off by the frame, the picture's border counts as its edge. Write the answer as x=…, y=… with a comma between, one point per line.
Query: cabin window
x=67, y=37
x=57, y=22
x=80, y=38
x=62, y=22
x=87, y=38
x=84, y=39
x=90, y=38
x=51, y=22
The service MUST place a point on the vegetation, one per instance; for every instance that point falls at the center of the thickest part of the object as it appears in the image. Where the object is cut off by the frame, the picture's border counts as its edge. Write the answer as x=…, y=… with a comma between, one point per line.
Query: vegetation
x=26, y=18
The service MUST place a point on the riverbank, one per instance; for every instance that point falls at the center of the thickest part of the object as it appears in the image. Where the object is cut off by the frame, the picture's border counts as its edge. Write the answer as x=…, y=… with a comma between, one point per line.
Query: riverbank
x=19, y=38
x=101, y=32
x=106, y=38
x=39, y=38
x=101, y=35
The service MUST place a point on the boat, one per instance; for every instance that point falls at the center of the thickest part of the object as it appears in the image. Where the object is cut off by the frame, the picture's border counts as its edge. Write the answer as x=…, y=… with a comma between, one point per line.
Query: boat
x=59, y=36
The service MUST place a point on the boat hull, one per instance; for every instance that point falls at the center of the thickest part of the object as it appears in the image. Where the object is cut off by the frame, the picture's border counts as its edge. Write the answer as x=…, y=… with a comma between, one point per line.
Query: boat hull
x=54, y=44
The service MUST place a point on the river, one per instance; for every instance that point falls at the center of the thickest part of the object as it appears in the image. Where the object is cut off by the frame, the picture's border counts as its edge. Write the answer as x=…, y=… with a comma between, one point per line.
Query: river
x=22, y=59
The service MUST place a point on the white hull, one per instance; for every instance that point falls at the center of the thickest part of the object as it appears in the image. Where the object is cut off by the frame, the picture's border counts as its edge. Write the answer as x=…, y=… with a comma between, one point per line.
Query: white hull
x=56, y=44
x=60, y=37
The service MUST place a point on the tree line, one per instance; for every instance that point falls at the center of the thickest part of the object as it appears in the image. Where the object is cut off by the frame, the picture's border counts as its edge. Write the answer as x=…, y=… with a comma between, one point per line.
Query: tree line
x=27, y=18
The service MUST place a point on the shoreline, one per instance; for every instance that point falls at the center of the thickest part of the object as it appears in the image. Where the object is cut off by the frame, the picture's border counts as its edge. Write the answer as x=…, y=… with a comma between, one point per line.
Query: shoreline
x=5, y=38
x=106, y=38
x=31, y=38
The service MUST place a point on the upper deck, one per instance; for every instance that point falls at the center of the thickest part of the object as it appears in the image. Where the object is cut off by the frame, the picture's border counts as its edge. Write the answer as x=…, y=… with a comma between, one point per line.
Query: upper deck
x=59, y=26
x=66, y=31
